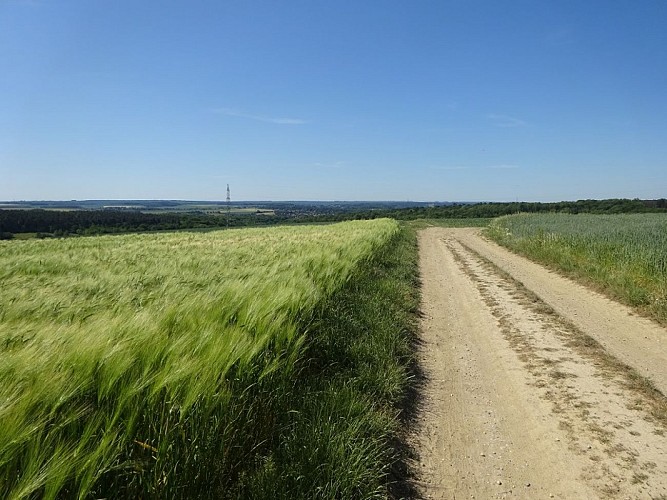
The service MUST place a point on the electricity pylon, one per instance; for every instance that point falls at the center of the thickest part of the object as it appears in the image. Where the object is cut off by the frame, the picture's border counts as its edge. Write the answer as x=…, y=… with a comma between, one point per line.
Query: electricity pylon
x=229, y=202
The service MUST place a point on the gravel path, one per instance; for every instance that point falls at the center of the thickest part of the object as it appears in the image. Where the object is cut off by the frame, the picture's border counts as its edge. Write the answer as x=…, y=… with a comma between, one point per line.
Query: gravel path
x=520, y=400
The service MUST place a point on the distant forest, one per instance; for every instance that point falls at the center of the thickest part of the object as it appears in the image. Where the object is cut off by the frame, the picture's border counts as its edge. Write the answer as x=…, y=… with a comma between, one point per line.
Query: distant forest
x=59, y=223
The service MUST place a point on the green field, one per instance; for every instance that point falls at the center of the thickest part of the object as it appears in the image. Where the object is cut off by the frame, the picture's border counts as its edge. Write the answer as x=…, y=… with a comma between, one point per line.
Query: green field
x=622, y=255
x=187, y=364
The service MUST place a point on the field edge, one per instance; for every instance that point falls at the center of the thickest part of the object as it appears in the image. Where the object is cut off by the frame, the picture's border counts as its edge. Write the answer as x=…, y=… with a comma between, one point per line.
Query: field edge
x=343, y=434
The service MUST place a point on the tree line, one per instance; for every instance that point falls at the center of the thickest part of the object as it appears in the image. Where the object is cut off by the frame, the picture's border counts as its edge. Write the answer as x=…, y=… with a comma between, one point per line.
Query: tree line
x=493, y=209
x=58, y=223
x=89, y=222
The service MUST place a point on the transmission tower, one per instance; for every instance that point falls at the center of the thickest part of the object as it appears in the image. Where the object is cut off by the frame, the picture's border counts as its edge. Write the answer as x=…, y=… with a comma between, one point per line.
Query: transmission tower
x=229, y=203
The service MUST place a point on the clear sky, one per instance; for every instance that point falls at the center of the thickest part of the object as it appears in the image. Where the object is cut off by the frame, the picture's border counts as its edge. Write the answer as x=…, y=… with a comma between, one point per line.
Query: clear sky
x=333, y=100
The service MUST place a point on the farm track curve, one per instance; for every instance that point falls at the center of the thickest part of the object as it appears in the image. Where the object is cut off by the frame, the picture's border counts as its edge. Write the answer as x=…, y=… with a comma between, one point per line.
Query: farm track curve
x=536, y=387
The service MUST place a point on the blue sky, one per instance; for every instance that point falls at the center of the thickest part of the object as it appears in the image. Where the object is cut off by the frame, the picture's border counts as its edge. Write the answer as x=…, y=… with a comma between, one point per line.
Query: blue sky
x=333, y=100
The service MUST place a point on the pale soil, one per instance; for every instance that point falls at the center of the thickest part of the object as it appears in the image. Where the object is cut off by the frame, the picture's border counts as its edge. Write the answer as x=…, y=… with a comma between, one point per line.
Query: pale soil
x=518, y=402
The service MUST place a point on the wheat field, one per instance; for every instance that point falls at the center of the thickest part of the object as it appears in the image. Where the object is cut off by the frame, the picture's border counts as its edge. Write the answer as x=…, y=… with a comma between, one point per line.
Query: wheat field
x=129, y=362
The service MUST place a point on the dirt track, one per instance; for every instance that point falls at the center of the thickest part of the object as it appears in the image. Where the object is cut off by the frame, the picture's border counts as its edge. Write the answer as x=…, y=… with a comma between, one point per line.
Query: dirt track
x=520, y=402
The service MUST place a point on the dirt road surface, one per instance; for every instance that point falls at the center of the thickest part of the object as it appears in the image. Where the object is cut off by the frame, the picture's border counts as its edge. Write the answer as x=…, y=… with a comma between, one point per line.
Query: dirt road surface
x=536, y=387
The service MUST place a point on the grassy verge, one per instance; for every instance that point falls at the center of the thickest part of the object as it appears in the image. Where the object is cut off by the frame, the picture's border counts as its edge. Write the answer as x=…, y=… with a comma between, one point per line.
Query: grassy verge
x=624, y=256
x=341, y=416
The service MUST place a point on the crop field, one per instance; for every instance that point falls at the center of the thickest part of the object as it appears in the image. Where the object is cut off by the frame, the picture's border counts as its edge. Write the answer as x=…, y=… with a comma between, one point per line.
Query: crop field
x=168, y=365
x=624, y=255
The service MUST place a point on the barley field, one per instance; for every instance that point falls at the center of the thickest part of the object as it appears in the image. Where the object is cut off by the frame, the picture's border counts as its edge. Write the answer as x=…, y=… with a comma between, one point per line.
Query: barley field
x=152, y=365
x=624, y=255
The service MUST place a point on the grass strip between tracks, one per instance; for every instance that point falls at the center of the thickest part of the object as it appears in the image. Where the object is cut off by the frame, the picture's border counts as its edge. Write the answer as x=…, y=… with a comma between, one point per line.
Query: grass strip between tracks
x=647, y=397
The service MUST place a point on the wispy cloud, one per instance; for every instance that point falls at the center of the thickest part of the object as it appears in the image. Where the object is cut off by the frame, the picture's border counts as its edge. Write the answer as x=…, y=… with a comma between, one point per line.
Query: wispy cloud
x=455, y=167
x=337, y=164
x=477, y=167
x=259, y=118
x=505, y=121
